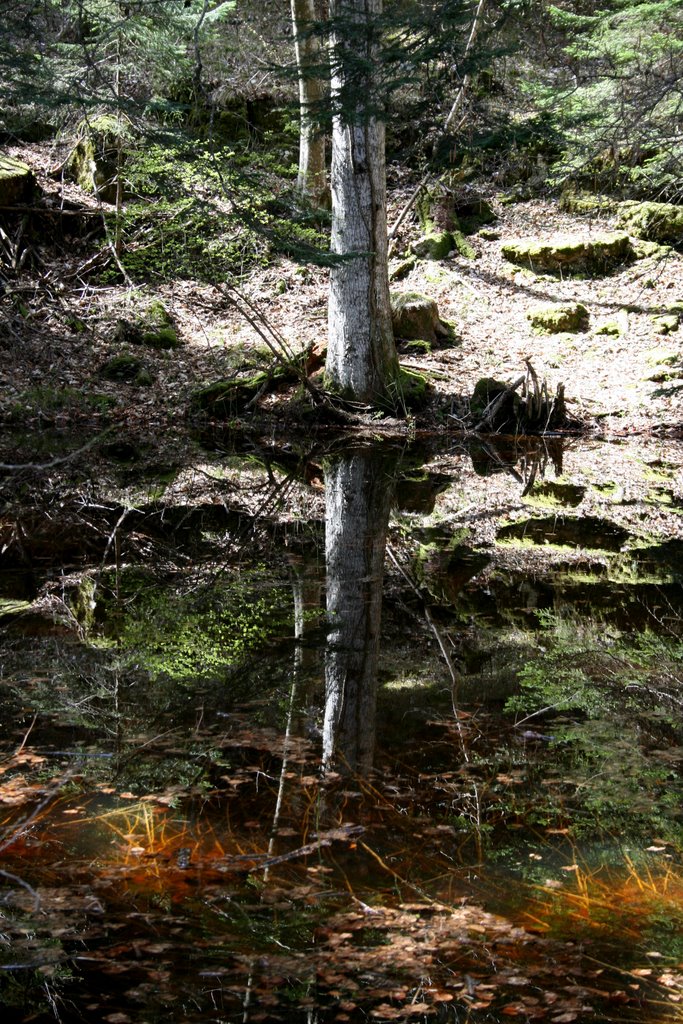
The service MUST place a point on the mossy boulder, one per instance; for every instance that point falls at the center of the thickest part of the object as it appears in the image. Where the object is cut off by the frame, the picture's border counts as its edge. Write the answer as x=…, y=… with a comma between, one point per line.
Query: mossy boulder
x=555, y=494
x=594, y=255
x=585, y=202
x=126, y=369
x=559, y=317
x=416, y=317
x=435, y=245
x=95, y=159
x=666, y=323
x=417, y=347
x=153, y=327
x=17, y=181
x=610, y=329
x=80, y=165
x=413, y=390
x=655, y=222
x=485, y=391
x=227, y=398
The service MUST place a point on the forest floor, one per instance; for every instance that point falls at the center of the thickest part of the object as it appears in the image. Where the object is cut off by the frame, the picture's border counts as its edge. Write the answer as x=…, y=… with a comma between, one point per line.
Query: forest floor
x=60, y=329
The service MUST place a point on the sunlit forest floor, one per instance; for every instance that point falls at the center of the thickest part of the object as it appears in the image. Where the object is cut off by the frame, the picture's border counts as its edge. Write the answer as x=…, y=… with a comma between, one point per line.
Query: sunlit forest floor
x=621, y=374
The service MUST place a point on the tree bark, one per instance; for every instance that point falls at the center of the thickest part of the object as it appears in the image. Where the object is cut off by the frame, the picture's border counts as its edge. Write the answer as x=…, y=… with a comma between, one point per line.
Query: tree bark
x=357, y=503
x=361, y=356
x=310, y=57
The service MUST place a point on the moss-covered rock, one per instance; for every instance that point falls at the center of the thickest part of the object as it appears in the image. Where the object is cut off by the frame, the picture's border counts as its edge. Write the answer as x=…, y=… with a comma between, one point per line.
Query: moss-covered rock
x=415, y=316
x=126, y=369
x=667, y=323
x=572, y=201
x=413, y=389
x=397, y=271
x=663, y=356
x=485, y=391
x=17, y=181
x=597, y=254
x=153, y=326
x=643, y=250
x=417, y=347
x=80, y=165
x=611, y=329
x=436, y=245
x=655, y=222
x=555, y=494
x=95, y=160
x=565, y=316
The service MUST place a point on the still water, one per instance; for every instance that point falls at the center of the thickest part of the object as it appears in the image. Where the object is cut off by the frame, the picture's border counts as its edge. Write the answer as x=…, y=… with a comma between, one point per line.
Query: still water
x=377, y=732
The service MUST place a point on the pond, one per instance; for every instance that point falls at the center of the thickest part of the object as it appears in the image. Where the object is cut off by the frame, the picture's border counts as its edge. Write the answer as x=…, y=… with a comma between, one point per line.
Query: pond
x=385, y=731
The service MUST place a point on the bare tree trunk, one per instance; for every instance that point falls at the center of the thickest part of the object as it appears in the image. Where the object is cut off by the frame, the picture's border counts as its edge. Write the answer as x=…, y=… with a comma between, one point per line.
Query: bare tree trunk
x=361, y=356
x=310, y=56
x=357, y=502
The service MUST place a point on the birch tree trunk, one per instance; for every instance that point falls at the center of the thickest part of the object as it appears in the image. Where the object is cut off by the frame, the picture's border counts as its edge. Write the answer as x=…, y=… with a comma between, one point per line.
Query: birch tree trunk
x=310, y=56
x=361, y=356
x=358, y=493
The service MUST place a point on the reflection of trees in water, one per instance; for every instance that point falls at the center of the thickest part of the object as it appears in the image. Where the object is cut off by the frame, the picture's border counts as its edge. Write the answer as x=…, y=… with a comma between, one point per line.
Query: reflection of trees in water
x=525, y=458
x=358, y=497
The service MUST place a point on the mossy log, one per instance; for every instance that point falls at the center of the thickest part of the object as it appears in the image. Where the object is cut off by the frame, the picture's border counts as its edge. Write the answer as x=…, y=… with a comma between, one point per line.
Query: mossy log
x=227, y=398
x=595, y=255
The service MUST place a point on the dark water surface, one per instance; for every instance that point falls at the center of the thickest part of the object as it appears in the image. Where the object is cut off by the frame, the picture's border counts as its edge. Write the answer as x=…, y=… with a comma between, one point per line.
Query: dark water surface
x=378, y=732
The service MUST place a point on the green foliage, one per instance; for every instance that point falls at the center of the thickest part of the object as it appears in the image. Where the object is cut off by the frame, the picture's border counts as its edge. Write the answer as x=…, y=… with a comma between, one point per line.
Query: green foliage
x=613, y=92
x=181, y=636
x=197, y=213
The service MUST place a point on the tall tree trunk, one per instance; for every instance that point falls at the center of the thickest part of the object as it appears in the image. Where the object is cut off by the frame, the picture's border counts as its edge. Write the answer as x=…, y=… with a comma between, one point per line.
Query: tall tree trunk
x=361, y=356
x=358, y=491
x=310, y=57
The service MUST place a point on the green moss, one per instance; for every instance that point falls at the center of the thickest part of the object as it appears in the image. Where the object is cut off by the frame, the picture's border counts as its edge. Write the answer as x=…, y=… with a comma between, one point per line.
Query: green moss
x=415, y=316
x=226, y=398
x=570, y=317
x=611, y=328
x=434, y=246
x=663, y=356
x=80, y=165
x=656, y=222
x=666, y=323
x=17, y=182
x=555, y=494
x=585, y=202
x=126, y=369
x=417, y=347
x=462, y=246
x=643, y=249
x=414, y=389
x=402, y=269
x=163, y=338
x=594, y=255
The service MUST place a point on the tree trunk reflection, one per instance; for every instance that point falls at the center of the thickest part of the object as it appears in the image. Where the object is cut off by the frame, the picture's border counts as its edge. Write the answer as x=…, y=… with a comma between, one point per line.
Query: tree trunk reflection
x=358, y=490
